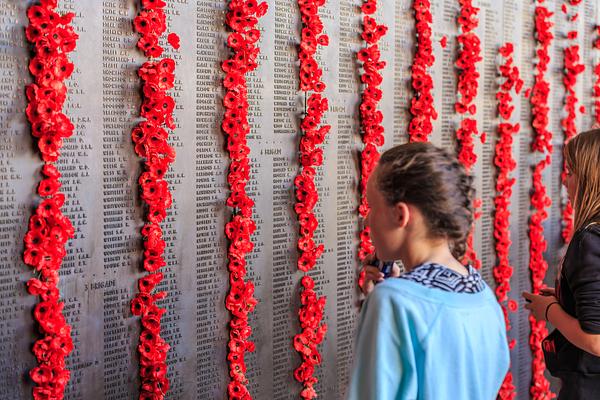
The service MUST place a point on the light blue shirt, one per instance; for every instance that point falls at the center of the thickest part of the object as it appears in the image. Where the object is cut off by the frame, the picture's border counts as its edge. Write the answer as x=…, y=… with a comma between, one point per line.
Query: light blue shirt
x=416, y=342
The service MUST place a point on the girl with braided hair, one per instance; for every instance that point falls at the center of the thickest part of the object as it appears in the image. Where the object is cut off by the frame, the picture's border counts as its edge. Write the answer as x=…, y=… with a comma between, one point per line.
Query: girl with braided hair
x=435, y=331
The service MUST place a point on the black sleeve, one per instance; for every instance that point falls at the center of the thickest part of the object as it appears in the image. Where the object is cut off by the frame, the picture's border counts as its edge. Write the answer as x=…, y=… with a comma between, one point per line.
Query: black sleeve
x=585, y=281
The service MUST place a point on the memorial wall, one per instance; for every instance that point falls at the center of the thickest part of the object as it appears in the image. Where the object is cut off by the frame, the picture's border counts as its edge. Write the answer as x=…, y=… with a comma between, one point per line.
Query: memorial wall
x=100, y=170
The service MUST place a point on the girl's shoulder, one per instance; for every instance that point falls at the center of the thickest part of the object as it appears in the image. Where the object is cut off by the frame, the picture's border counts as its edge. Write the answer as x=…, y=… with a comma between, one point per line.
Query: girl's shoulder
x=589, y=236
x=588, y=233
x=592, y=227
x=583, y=253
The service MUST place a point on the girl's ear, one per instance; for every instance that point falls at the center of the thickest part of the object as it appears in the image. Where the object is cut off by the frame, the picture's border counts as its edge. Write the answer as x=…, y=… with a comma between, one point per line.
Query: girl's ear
x=401, y=214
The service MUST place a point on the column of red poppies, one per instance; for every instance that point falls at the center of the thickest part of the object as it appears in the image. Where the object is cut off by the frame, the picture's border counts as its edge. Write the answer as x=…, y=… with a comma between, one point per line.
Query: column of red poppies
x=572, y=68
x=597, y=76
x=242, y=18
x=505, y=162
x=542, y=144
x=311, y=156
x=422, y=108
x=469, y=55
x=53, y=37
x=150, y=138
x=371, y=118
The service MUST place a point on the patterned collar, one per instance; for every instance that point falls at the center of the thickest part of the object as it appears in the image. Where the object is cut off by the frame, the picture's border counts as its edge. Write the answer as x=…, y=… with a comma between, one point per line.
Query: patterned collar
x=437, y=276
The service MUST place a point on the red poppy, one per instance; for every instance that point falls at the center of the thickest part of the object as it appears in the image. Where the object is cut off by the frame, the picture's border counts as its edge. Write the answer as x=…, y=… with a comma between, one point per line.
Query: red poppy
x=369, y=7
x=148, y=282
x=173, y=40
x=444, y=42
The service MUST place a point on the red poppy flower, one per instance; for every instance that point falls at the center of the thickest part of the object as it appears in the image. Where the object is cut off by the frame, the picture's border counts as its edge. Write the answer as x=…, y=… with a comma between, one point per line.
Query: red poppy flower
x=444, y=42
x=369, y=7
x=149, y=45
x=143, y=24
x=147, y=283
x=173, y=40
x=153, y=4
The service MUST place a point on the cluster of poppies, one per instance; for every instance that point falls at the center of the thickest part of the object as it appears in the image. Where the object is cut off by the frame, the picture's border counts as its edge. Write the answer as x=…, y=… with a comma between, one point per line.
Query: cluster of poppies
x=541, y=88
x=151, y=23
x=150, y=138
x=313, y=333
x=366, y=248
x=306, y=191
x=422, y=107
x=597, y=74
x=53, y=37
x=540, y=387
x=540, y=202
x=45, y=243
x=470, y=256
x=240, y=302
x=505, y=162
x=468, y=81
x=311, y=156
x=242, y=18
x=371, y=118
x=372, y=31
x=572, y=68
x=312, y=37
x=542, y=143
x=469, y=55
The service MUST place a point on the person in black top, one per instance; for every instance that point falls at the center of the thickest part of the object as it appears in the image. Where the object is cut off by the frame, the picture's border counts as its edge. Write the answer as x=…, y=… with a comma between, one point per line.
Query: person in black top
x=572, y=350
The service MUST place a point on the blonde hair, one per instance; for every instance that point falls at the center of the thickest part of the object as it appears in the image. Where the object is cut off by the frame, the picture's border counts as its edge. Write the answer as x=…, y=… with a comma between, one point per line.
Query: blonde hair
x=582, y=156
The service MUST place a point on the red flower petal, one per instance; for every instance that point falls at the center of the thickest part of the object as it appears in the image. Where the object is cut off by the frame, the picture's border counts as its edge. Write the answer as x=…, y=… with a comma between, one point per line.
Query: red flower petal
x=173, y=40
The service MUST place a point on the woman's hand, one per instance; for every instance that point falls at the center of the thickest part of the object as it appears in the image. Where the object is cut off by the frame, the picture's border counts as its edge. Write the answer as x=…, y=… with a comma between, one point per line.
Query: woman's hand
x=374, y=275
x=548, y=291
x=538, y=303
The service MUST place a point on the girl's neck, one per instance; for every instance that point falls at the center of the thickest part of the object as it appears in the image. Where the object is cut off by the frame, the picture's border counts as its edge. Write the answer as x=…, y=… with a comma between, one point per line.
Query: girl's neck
x=419, y=252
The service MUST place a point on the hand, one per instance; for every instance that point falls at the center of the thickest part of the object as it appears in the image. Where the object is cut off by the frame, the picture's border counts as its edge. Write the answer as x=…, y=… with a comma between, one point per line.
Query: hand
x=538, y=304
x=549, y=291
x=374, y=275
